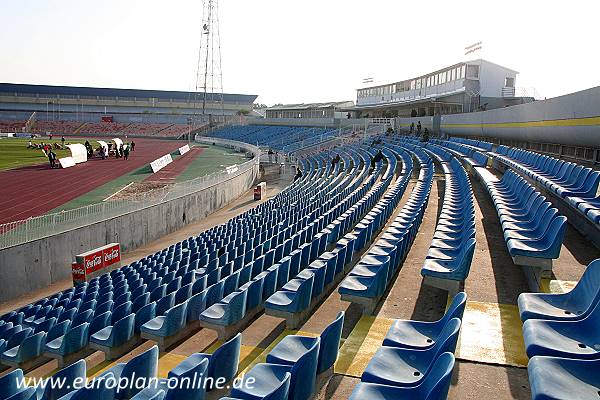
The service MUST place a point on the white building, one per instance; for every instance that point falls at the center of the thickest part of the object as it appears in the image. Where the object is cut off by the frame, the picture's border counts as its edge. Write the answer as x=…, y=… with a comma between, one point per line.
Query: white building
x=463, y=87
x=309, y=110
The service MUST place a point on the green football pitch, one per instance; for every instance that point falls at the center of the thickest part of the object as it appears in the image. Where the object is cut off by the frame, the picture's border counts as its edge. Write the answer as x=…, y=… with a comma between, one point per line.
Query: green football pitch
x=14, y=152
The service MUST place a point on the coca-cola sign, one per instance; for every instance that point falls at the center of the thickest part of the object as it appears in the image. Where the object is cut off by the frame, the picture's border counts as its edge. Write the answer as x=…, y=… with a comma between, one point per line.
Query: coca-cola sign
x=78, y=272
x=95, y=260
x=112, y=255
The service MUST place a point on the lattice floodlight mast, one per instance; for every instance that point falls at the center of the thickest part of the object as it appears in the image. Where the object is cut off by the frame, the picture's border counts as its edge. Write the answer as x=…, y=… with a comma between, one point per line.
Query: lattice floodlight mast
x=209, y=76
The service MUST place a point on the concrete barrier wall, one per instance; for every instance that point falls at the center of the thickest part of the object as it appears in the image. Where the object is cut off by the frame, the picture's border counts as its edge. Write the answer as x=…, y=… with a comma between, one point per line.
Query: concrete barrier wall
x=404, y=123
x=573, y=119
x=37, y=264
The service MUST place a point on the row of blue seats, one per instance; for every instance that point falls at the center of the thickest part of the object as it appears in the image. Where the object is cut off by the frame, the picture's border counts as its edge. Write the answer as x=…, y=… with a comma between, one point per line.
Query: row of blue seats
x=470, y=155
x=478, y=144
x=232, y=310
x=308, y=286
x=369, y=279
x=531, y=227
x=577, y=185
x=416, y=359
x=292, y=366
x=123, y=324
x=284, y=138
x=561, y=333
x=451, y=250
x=194, y=376
x=290, y=372
x=231, y=306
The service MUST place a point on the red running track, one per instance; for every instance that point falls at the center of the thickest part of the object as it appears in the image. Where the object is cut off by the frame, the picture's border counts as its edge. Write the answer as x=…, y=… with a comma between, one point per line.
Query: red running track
x=35, y=190
x=173, y=170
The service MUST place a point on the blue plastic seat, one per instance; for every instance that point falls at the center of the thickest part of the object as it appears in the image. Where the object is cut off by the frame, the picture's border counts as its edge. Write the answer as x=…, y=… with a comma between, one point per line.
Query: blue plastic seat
x=158, y=293
x=120, y=312
x=330, y=343
x=183, y=293
x=299, y=357
x=26, y=394
x=103, y=307
x=569, y=339
x=223, y=363
x=547, y=246
x=562, y=379
x=214, y=293
x=368, y=278
x=407, y=367
x=420, y=335
x=10, y=384
x=190, y=370
x=270, y=280
x=140, y=301
x=74, y=340
x=228, y=311
x=58, y=330
x=144, y=365
x=435, y=385
x=263, y=382
x=294, y=296
x=173, y=321
x=117, y=334
x=41, y=316
x=196, y=305
x=80, y=318
x=231, y=283
x=454, y=268
x=254, y=290
x=164, y=304
x=100, y=321
x=45, y=326
x=31, y=347
x=573, y=305
x=74, y=373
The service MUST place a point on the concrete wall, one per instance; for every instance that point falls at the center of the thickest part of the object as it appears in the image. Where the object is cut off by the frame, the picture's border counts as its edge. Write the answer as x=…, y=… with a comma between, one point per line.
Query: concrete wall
x=37, y=264
x=573, y=119
x=404, y=123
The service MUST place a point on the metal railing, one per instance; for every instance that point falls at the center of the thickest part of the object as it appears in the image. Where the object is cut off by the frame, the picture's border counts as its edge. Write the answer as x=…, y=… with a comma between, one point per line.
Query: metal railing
x=34, y=228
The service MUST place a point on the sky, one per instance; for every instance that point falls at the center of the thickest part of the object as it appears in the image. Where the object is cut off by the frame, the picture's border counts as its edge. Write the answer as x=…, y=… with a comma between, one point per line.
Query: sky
x=296, y=51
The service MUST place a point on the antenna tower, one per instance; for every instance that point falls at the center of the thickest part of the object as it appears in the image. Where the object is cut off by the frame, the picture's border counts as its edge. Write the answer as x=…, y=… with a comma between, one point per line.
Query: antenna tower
x=209, y=76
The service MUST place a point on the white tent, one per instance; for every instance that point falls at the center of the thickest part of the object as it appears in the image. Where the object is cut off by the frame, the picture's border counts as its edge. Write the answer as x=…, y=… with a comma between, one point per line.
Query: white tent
x=104, y=145
x=118, y=142
x=78, y=152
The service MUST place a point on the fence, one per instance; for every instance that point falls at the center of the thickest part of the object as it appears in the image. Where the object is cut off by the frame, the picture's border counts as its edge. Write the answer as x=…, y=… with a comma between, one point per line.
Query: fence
x=23, y=231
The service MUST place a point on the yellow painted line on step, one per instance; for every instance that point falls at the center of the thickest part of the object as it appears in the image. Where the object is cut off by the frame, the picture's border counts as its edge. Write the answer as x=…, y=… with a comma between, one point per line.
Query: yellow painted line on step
x=360, y=346
x=556, y=286
x=167, y=362
x=492, y=333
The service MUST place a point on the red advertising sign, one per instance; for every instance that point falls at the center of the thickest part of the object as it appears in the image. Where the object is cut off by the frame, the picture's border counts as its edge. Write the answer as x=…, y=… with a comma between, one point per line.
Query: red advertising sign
x=78, y=272
x=95, y=260
x=111, y=255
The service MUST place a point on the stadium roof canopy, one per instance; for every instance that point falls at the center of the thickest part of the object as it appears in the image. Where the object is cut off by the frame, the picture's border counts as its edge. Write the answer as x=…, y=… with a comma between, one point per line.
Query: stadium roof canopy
x=49, y=90
x=307, y=106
